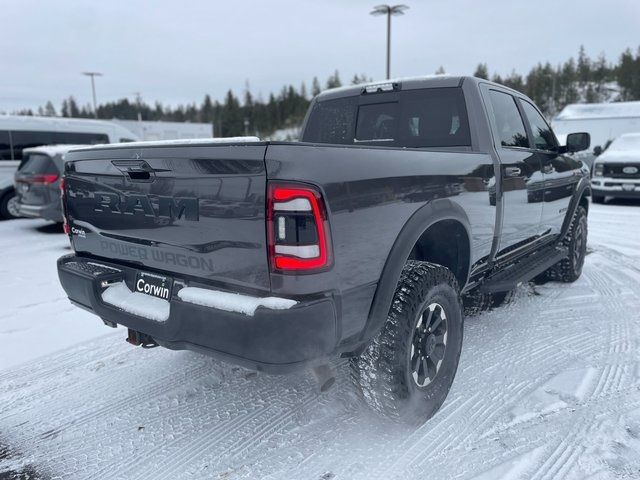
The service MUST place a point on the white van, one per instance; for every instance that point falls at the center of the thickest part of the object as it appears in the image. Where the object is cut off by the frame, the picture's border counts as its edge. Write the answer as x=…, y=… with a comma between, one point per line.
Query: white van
x=20, y=132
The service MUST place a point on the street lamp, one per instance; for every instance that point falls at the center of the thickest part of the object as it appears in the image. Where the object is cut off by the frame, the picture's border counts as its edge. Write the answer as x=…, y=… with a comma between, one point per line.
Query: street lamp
x=389, y=10
x=93, y=89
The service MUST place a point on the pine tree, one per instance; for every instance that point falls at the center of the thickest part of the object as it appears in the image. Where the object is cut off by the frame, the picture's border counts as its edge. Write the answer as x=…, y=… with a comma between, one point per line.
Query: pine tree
x=482, y=71
x=206, y=111
x=584, y=66
x=74, y=111
x=315, y=87
x=64, y=110
x=49, y=110
x=334, y=80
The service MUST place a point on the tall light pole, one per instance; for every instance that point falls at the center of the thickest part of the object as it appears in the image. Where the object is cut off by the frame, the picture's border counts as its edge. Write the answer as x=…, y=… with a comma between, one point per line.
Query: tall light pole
x=389, y=10
x=93, y=89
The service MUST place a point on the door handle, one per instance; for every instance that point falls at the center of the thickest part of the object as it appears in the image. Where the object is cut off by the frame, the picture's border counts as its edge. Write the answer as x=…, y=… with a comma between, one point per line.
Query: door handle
x=512, y=172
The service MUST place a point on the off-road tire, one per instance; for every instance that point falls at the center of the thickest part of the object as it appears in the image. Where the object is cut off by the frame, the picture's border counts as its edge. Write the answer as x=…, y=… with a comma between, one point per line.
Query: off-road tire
x=5, y=214
x=383, y=370
x=597, y=199
x=570, y=269
x=476, y=302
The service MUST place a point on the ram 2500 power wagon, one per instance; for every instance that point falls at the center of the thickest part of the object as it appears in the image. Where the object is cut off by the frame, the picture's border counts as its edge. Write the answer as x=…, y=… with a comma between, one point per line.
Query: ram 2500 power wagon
x=358, y=241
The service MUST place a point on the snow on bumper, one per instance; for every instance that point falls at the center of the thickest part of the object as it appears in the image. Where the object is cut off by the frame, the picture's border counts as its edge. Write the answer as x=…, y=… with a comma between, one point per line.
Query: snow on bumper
x=136, y=303
x=232, y=302
x=271, y=334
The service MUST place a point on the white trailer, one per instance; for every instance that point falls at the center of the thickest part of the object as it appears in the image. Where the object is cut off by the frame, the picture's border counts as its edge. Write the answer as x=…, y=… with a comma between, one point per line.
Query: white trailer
x=166, y=130
x=603, y=121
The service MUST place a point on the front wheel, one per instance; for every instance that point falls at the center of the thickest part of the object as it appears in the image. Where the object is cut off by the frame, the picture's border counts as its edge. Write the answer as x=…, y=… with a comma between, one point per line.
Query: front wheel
x=407, y=370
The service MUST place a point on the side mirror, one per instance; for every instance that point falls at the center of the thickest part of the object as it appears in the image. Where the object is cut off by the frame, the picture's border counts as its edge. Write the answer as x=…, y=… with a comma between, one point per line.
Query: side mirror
x=597, y=150
x=577, y=142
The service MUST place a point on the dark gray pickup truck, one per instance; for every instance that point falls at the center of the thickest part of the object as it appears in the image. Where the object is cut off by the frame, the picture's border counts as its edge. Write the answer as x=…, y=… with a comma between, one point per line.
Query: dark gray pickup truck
x=359, y=241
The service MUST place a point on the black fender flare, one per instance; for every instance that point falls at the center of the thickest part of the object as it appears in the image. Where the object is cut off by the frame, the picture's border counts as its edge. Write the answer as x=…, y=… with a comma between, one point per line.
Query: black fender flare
x=583, y=188
x=425, y=217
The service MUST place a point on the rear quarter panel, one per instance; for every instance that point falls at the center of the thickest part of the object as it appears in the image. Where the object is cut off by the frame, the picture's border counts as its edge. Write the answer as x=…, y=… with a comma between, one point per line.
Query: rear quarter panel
x=371, y=193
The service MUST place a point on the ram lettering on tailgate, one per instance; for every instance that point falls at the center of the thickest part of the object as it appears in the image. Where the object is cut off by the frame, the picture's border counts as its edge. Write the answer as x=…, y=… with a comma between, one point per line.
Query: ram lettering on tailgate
x=173, y=208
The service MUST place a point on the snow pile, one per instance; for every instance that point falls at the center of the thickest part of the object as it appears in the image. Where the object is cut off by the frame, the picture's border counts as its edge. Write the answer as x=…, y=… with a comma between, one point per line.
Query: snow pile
x=232, y=302
x=136, y=303
x=285, y=134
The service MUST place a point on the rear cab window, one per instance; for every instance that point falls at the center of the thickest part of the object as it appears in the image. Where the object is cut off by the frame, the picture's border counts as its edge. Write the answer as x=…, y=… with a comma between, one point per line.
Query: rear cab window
x=422, y=118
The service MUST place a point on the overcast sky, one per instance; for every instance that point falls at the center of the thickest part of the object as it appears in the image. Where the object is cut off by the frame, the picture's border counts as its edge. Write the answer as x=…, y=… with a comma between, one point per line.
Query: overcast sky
x=176, y=51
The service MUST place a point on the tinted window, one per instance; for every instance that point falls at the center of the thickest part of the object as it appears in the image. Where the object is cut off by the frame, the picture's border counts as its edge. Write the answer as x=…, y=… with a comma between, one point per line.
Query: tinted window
x=71, y=138
x=377, y=122
x=511, y=131
x=5, y=146
x=332, y=121
x=26, y=139
x=543, y=138
x=38, y=163
x=435, y=117
x=23, y=139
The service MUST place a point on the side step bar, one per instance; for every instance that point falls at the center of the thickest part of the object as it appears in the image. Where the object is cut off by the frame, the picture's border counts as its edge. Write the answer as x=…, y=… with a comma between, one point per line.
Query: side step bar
x=523, y=270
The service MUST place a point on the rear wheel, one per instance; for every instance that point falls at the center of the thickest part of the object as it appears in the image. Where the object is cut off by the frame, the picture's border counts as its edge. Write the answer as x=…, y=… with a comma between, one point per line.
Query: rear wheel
x=570, y=269
x=407, y=370
x=8, y=206
x=476, y=302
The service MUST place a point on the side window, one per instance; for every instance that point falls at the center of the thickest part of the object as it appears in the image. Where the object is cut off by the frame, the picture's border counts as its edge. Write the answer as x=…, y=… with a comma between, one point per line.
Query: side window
x=24, y=139
x=70, y=138
x=5, y=146
x=543, y=138
x=511, y=131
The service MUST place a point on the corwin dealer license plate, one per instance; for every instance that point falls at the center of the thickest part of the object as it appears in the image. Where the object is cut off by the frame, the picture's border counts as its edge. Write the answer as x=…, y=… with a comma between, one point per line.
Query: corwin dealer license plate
x=154, y=285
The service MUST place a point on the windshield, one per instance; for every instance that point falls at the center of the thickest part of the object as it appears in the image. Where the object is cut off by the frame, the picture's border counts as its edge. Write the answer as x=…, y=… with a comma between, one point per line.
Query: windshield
x=625, y=143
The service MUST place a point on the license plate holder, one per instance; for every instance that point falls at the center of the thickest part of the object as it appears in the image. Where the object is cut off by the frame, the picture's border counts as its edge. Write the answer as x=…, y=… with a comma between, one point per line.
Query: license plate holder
x=159, y=286
x=629, y=187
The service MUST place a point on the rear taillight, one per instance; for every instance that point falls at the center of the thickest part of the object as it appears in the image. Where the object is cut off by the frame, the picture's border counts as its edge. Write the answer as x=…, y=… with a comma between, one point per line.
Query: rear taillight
x=44, y=179
x=297, y=229
x=63, y=199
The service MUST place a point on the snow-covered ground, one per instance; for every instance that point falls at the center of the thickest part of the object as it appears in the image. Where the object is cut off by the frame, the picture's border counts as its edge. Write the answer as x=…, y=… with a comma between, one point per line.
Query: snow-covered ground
x=548, y=387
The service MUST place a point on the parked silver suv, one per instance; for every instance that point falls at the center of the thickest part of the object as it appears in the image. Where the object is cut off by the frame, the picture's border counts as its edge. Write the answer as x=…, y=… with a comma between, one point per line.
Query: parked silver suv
x=37, y=182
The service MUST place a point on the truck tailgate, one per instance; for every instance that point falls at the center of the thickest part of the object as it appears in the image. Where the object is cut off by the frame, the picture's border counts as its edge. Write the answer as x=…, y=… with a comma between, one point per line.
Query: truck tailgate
x=196, y=211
